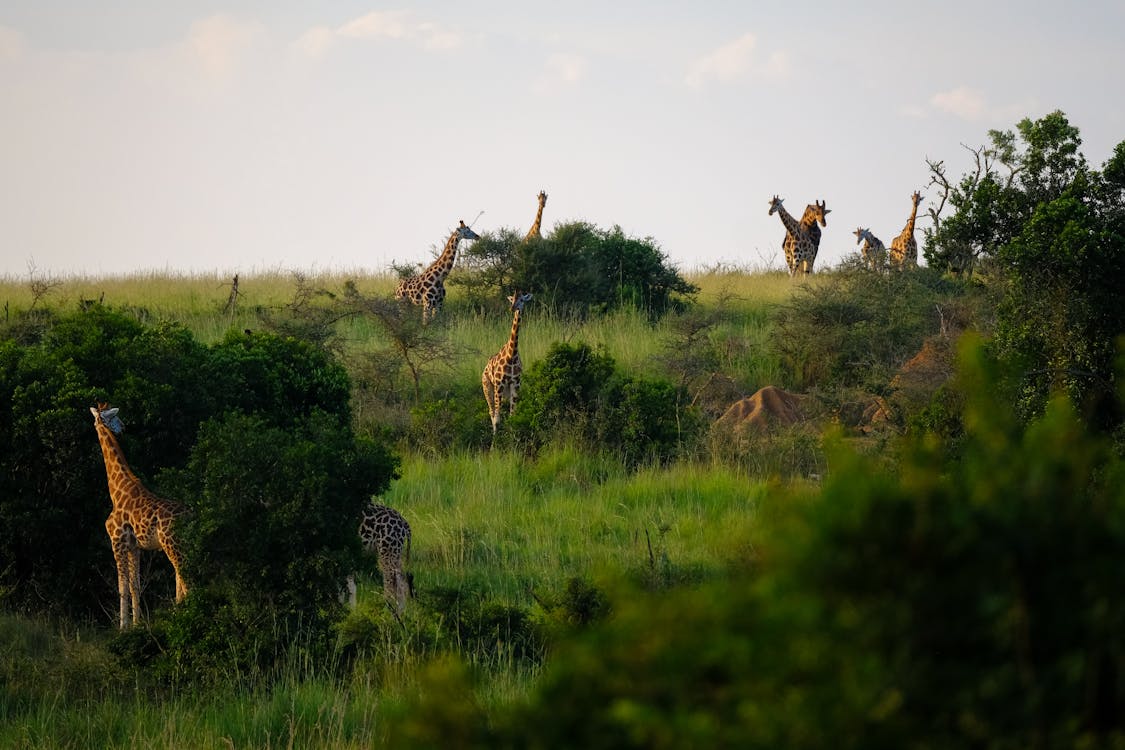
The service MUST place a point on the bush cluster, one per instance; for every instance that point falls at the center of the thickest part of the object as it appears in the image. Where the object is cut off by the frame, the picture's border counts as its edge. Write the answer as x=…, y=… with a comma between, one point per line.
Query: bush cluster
x=577, y=394
x=577, y=269
x=253, y=434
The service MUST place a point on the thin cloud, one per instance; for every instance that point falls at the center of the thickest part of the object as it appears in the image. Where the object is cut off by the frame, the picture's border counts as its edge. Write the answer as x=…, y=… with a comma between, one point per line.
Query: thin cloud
x=964, y=102
x=398, y=25
x=736, y=60
x=561, y=71
x=220, y=41
x=11, y=43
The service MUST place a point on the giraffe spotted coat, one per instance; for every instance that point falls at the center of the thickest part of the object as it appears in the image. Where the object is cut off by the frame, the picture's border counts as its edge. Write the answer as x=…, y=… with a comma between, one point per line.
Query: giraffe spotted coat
x=139, y=520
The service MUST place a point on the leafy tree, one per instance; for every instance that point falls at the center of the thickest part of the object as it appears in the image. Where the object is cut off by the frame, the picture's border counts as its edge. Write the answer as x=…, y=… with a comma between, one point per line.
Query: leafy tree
x=1054, y=230
x=578, y=269
x=991, y=202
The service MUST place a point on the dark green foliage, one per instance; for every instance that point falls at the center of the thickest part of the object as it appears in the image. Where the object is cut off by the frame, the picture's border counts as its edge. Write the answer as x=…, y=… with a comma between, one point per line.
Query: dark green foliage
x=955, y=602
x=264, y=374
x=577, y=394
x=1061, y=312
x=273, y=530
x=857, y=327
x=577, y=270
x=457, y=421
x=1011, y=177
x=54, y=553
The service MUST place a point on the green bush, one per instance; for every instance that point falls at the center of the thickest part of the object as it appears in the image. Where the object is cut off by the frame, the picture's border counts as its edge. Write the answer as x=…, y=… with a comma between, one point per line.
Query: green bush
x=857, y=327
x=577, y=269
x=969, y=601
x=54, y=553
x=576, y=394
x=273, y=535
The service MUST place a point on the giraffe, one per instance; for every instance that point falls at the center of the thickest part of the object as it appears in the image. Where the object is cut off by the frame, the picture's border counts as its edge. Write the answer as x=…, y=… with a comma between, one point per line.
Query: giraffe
x=802, y=238
x=904, y=248
x=428, y=288
x=874, y=251
x=385, y=532
x=533, y=233
x=502, y=373
x=139, y=520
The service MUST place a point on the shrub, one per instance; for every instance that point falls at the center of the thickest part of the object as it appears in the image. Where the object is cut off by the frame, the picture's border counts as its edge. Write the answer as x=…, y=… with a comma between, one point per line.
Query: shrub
x=576, y=394
x=577, y=270
x=273, y=530
x=856, y=327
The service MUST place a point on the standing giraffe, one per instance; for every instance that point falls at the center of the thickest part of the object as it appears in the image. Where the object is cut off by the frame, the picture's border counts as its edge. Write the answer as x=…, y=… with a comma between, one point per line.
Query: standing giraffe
x=874, y=251
x=904, y=248
x=140, y=519
x=385, y=532
x=533, y=233
x=428, y=288
x=502, y=373
x=802, y=238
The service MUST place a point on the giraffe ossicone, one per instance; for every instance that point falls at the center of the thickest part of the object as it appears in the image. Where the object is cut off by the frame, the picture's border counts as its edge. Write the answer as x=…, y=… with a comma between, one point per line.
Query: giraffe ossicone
x=139, y=520
x=428, y=288
x=502, y=374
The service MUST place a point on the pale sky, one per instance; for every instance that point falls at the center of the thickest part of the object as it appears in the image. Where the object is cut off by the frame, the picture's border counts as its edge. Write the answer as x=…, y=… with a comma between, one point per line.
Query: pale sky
x=243, y=135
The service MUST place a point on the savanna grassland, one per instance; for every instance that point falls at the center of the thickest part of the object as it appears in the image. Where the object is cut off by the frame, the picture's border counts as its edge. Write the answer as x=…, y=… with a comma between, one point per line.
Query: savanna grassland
x=505, y=527
x=926, y=550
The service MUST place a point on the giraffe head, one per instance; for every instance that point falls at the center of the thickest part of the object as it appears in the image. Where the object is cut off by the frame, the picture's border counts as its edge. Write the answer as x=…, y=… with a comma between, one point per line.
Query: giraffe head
x=518, y=300
x=861, y=234
x=103, y=414
x=465, y=233
x=542, y=198
x=775, y=205
x=820, y=211
x=916, y=198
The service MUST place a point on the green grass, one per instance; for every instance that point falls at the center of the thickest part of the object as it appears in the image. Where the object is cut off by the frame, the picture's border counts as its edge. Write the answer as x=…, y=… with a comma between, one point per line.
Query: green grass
x=505, y=526
x=510, y=525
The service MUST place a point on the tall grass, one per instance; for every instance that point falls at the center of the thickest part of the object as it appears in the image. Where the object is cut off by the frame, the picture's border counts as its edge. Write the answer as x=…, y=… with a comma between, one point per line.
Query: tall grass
x=508, y=527
x=511, y=525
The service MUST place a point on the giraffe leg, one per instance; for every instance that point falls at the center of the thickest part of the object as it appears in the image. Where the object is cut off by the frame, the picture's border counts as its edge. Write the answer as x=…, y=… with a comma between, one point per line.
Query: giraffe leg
x=513, y=396
x=172, y=552
x=351, y=591
x=135, y=581
x=492, y=397
x=121, y=557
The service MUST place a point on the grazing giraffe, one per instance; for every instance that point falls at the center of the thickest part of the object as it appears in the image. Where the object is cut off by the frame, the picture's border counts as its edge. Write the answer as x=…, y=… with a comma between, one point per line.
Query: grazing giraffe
x=802, y=239
x=140, y=519
x=874, y=251
x=533, y=233
x=428, y=288
x=904, y=248
x=385, y=532
x=502, y=373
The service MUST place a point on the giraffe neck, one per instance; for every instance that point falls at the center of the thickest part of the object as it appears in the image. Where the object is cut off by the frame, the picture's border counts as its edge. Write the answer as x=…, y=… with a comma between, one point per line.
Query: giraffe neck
x=787, y=219
x=441, y=267
x=808, y=218
x=514, y=338
x=117, y=470
x=534, y=231
x=909, y=230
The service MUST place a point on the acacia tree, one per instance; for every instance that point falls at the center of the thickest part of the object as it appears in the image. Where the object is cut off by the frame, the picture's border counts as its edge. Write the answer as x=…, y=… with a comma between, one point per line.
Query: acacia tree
x=1053, y=231
x=1010, y=176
